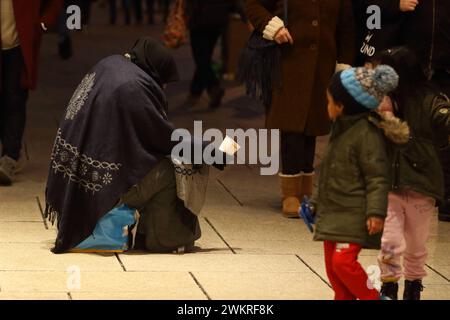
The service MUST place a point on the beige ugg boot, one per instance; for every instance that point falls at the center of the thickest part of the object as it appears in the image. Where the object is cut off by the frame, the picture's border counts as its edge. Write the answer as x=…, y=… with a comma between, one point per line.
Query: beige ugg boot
x=306, y=186
x=290, y=191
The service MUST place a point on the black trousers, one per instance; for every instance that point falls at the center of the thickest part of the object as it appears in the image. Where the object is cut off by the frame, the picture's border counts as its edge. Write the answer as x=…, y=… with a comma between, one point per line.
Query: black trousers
x=113, y=11
x=151, y=9
x=297, y=153
x=203, y=42
x=165, y=223
x=13, y=102
x=442, y=80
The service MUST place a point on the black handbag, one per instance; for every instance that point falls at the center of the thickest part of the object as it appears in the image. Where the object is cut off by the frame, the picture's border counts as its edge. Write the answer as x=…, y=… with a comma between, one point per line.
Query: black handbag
x=259, y=67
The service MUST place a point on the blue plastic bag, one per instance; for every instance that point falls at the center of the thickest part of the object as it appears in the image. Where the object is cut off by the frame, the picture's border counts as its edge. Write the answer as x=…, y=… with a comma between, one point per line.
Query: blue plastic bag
x=306, y=214
x=110, y=233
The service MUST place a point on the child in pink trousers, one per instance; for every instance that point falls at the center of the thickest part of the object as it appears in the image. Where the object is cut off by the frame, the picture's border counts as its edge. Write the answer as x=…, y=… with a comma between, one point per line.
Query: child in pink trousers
x=417, y=175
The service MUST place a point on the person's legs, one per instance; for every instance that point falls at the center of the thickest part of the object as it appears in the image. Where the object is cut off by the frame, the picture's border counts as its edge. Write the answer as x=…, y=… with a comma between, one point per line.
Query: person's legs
x=393, y=242
x=64, y=40
x=151, y=11
x=166, y=10
x=138, y=10
x=419, y=210
x=340, y=290
x=198, y=44
x=14, y=99
x=126, y=6
x=211, y=36
x=346, y=266
x=292, y=145
x=165, y=224
x=112, y=11
x=307, y=167
x=85, y=12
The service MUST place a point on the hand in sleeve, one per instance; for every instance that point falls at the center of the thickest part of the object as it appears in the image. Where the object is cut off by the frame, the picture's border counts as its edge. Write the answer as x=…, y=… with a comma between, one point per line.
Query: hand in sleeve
x=375, y=225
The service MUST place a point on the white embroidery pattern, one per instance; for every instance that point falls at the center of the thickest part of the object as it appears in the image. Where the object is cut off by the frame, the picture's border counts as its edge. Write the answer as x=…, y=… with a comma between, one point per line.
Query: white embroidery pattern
x=80, y=96
x=93, y=175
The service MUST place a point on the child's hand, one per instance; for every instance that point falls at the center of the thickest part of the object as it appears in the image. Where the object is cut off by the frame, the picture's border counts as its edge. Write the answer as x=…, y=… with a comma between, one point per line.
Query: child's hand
x=375, y=225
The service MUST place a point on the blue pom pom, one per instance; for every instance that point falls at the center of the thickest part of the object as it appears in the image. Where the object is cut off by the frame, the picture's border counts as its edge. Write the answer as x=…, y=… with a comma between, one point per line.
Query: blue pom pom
x=385, y=79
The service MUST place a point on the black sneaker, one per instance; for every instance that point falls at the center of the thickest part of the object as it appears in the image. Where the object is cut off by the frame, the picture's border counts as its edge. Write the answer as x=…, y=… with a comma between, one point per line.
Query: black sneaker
x=412, y=290
x=390, y=290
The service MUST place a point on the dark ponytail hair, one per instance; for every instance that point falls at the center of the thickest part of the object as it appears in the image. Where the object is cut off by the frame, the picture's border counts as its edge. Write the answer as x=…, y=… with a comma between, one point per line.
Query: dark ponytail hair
x=412, y=80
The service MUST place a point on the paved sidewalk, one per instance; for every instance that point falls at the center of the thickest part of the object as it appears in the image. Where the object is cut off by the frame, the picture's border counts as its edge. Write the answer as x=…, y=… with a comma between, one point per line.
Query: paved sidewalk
x=249, y=251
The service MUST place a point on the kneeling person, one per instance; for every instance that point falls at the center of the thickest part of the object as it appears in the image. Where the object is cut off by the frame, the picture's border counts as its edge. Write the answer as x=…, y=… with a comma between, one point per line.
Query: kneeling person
x=111, y=151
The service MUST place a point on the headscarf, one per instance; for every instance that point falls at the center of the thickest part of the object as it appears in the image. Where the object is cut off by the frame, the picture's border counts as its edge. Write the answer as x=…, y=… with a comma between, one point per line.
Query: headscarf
x=151, y=56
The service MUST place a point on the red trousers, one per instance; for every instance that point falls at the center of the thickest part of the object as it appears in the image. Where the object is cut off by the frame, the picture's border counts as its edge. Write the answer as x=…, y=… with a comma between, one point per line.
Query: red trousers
x=347, y=277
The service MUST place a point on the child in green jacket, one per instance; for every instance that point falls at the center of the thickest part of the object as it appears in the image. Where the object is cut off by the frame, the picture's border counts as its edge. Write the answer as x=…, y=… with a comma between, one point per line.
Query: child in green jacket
x=351, y=199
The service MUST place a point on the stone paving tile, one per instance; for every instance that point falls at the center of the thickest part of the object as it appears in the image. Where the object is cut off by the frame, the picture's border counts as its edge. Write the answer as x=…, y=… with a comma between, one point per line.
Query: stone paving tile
x=264, y=286
x=210, y=242
x=23, y=211
x=288, y=247
x=25, y=232
x=34, y=296
x=37, y=257
x=220, y=263
x=233, y=229
x=104, y=285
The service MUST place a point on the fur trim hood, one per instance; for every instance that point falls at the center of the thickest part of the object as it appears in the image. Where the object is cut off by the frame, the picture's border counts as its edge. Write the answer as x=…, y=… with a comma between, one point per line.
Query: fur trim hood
x=394, y=128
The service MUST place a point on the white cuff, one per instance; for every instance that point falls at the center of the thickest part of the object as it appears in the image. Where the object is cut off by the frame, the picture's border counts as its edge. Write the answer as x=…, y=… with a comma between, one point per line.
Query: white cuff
x=272, y=28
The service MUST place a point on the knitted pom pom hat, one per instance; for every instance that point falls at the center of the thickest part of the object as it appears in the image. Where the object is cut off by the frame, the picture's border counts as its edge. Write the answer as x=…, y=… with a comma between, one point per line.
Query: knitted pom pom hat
x=362, y=89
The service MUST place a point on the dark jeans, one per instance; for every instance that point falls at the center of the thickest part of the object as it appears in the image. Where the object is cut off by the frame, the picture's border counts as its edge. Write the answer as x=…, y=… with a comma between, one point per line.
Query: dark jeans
x=442, y=80
x=203, y=42
x=297, y=153
x=13, y=103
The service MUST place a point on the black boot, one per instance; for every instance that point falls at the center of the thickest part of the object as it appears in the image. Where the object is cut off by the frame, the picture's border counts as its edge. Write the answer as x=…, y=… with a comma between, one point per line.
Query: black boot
x=390, y=290
x=215, y=94
x=412, y=290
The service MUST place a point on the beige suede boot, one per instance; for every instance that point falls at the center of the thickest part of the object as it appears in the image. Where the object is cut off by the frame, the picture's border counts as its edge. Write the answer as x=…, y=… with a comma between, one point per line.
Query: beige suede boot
x=290, y=190
x=306, y=186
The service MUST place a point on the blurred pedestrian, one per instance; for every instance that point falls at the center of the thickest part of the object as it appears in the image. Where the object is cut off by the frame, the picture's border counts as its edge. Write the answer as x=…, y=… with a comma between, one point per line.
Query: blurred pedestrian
x=318, y=34
x=207, y=21
x=22, y=24
x=427, y=33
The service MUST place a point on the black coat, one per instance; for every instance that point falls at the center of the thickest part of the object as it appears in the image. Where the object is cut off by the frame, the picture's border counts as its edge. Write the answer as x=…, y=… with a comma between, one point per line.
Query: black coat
x=370, y=42
x=427, y=32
